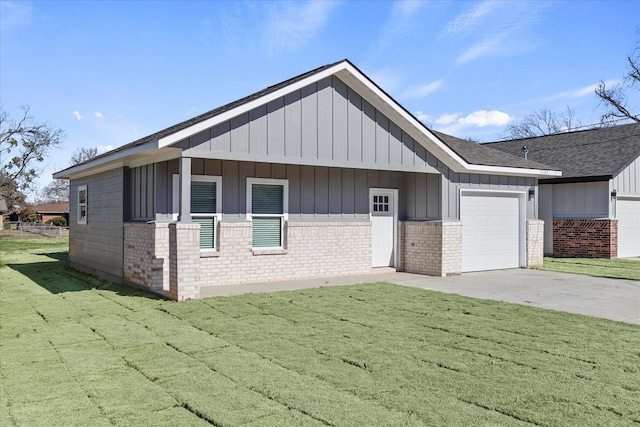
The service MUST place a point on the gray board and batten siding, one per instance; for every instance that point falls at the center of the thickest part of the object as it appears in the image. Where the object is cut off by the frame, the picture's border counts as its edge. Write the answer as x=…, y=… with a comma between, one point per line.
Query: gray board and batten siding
x=99, y=242
x=333, y=146
x=627, y=182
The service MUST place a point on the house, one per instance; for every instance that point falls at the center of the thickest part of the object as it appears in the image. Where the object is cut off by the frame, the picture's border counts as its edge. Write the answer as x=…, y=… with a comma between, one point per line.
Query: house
x=47, y=211
x=593, y=210
x=321, y=175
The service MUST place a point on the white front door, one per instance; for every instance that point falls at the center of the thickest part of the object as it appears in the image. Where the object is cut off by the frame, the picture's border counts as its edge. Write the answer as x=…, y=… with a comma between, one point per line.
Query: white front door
x=382, y=206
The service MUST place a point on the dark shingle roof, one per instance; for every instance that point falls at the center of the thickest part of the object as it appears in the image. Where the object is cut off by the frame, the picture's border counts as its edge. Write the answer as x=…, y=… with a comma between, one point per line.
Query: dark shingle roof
x=592, y=154
x=480, y=154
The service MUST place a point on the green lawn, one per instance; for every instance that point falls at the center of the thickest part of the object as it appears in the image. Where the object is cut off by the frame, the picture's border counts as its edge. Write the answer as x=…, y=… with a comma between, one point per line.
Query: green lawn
x=613, y=268
x=78, y=351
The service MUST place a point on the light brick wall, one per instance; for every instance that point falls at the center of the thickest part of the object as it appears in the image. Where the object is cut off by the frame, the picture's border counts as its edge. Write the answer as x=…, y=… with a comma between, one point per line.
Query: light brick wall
x=430, y=247
x=146, y=255
x=589, y=238
x=312, y=249
x=535, y=242
x=184, y=255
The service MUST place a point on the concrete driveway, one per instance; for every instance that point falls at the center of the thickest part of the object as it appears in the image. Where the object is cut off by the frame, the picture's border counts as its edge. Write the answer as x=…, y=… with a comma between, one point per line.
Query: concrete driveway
x=613, y=299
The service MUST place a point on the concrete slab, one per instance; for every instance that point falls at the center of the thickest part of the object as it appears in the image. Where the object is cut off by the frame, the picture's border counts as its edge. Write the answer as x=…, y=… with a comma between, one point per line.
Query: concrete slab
x=613, y=299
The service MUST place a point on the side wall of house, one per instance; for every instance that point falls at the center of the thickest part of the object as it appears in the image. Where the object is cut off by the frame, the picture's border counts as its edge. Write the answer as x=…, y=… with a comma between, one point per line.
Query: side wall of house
x=627, y=182
x=97, y=246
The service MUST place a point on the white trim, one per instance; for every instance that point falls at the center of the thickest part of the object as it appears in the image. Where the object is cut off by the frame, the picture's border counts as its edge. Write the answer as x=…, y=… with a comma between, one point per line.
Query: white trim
x=522, y=215
x=285, y=202
x=175, y=201
x=394, y=192
x=80, y=219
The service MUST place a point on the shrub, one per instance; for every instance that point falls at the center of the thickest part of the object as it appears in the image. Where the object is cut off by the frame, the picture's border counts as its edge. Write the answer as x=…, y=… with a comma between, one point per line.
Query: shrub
x=28, y=215
x=58, y=221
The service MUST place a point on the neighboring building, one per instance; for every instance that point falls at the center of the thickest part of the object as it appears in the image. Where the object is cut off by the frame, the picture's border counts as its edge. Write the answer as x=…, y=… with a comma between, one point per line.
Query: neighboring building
x=321, y=175
x=593, y=210
x=48, y=211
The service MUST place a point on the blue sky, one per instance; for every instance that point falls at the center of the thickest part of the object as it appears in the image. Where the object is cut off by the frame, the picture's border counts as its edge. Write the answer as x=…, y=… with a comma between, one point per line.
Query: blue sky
x=109, y=72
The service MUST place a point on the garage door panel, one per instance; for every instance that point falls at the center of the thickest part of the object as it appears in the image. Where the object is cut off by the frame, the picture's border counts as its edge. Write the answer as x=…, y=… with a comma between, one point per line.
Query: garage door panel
x=490, y=232
x=628, y=214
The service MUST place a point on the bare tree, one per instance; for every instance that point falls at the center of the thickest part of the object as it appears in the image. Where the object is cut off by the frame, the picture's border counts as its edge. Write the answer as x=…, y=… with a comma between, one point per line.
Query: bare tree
x=24, y=143
x=57, y=191
x=83, y=154
x=616, y=97
x=542, y=122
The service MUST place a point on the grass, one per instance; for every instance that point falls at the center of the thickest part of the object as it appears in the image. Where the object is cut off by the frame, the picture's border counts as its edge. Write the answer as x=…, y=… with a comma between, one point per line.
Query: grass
x=75, y=350
x=612, y=268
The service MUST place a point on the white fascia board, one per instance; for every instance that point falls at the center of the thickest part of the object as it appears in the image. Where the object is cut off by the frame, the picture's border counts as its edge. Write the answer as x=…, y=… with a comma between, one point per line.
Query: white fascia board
x=234, y=112
x=104, y=163
x=504, y=170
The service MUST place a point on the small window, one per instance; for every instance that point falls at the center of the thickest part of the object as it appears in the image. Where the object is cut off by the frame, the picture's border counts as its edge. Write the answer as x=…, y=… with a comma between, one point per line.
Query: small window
x=206, y=194
x=267, y=201
x=82, y=204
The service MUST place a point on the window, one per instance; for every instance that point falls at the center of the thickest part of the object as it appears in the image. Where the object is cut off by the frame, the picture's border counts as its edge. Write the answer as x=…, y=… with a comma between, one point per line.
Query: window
x=82, y=204
x=381, y=203
x=206, y=194
x=267, y=201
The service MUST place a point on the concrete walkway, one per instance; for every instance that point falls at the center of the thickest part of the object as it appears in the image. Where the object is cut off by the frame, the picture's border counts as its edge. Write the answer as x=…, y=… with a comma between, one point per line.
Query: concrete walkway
x=613, y=299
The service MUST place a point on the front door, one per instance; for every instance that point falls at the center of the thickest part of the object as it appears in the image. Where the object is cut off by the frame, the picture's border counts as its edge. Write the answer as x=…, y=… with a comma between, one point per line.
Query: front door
x=382, y=205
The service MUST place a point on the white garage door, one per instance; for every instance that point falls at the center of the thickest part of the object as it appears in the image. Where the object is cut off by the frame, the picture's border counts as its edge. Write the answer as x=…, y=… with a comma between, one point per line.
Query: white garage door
x=490, y=231
x=628, y=213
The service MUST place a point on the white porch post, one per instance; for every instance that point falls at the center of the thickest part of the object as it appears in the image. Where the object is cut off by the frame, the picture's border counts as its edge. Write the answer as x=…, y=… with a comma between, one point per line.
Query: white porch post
x=185, y=190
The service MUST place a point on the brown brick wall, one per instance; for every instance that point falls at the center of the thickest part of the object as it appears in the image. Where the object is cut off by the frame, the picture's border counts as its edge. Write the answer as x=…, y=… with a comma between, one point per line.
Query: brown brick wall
x=588, y=238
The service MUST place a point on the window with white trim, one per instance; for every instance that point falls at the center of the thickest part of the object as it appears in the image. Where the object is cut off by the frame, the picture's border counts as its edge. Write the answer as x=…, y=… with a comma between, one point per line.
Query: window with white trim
x=82, y=204
x=206, y=206
x=267, y=206
x=206, y=194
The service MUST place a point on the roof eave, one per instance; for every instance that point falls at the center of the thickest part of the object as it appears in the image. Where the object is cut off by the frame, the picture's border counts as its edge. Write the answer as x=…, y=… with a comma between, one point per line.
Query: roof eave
x=108, y=162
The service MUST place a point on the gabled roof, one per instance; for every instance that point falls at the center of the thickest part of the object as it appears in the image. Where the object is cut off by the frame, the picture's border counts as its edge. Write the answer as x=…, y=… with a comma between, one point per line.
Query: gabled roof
x=587, y=155
x=52, y=207
x=160, y=145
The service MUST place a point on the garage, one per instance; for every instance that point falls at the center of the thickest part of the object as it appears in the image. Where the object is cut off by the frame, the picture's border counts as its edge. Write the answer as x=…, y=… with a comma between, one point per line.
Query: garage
x=628, y=214
x=491, y=230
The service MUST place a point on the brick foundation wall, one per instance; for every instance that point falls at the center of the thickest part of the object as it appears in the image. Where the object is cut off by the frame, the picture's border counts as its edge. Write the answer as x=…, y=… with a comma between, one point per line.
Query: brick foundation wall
x=312, y=249
x=146, y=255
x=589, y=238
x=535, y=242
x=430, y=247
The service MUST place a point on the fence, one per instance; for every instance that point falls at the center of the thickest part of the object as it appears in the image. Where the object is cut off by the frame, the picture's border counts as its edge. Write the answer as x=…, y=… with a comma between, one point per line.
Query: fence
x=37, y=228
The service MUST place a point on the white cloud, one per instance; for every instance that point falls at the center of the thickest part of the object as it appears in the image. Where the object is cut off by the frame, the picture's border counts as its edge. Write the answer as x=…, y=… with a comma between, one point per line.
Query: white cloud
x=424, y=118
x=496, y=28
x=98, y=114
x=292, y=24
x=482, y=118
x=446, y=119
x=104, y=148
x=388, y=79
x=401, y=23
x=580, y=92
x=77, y=114
x=14, y=14
x=467, y=21
x=423, y=90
